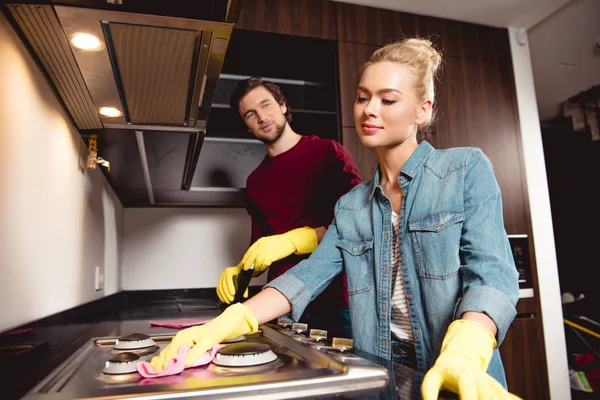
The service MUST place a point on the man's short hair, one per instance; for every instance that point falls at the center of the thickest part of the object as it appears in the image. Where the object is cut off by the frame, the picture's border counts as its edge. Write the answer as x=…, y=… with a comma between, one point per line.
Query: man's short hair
x=245, y=86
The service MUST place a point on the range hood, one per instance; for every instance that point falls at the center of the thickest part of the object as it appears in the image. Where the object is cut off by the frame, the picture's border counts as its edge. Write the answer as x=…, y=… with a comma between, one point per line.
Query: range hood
x=152, y=70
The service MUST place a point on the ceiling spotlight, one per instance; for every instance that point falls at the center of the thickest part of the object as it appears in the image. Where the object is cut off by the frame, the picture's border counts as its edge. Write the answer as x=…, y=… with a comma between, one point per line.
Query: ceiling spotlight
x=110, y=112
x=85, y=41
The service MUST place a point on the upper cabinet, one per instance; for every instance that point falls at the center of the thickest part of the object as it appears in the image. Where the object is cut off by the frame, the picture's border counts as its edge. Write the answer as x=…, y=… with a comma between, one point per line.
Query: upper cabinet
x=377, y=27
x=305, y=69
x=312, y=18
x=476, y=106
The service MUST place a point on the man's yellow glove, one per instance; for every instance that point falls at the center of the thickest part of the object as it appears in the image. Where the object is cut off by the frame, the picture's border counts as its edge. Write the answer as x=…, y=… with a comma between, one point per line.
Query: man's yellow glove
x=226, y=286
x=235, y=321
x=461, y=366
x=269, y=249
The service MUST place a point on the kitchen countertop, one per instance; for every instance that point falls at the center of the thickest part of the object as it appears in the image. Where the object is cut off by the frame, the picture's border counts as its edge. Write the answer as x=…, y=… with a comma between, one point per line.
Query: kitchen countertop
x=62, y=336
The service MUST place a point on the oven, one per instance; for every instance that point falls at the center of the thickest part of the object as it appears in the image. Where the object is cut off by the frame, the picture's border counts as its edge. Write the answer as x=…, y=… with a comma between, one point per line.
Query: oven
x=519, y=245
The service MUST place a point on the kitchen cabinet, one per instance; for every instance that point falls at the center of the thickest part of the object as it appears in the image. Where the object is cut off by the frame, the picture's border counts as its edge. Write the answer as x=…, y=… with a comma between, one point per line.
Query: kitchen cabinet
x=312, y=18
x=523, y=358
x=310, y=88
x=477, y=107
x=374, y=26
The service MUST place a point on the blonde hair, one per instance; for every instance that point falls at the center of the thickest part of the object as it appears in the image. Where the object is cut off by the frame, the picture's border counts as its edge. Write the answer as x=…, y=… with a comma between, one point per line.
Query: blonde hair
x=423, y=60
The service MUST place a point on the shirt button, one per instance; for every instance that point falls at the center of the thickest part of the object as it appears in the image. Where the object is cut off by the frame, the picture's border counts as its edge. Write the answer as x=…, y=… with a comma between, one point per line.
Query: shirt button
x=355, y=249
x=408, y=296
x=386, y=236
x=384, y=343
x=402, y=177
x=384, y=306
x=385, y=270
x=436, y=224
x=416, y=336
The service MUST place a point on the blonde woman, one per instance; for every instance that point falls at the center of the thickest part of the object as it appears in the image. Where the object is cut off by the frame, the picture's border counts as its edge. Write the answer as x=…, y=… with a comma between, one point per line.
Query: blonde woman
x=431, y=280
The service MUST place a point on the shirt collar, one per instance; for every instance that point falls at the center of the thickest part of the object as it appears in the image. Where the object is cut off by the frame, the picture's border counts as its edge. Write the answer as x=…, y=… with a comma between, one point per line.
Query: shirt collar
x=410, y=168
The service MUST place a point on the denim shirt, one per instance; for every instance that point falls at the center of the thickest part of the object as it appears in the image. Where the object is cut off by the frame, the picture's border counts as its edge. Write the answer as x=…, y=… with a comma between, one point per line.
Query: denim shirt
x=454, y=254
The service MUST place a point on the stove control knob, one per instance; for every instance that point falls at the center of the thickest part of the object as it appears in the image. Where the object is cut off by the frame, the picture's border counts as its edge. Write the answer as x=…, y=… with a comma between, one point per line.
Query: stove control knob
x=318, y=335
x=342, y=344
x=284, y=322
x=299, y=328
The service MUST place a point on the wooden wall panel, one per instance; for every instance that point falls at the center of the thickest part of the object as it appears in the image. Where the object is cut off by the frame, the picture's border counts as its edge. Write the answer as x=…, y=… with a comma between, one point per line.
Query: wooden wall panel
x=351, y=56
x=364, y=158
x=312, y=18
x=378, y=27
x=476, y=108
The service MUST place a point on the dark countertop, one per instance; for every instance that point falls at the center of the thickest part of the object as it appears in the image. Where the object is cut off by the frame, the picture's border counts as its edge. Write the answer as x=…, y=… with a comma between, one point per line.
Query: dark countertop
x=30, y=352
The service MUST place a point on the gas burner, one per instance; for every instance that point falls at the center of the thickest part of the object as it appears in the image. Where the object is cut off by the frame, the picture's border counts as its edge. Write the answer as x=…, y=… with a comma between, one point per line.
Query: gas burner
x=123, y=363
x=120, y=368
x=137, y=343
x=244, y=355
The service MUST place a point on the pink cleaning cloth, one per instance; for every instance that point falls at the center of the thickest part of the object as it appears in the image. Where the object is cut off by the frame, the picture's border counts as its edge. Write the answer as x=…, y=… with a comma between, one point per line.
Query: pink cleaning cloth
x=177, y=363
x=179, y=323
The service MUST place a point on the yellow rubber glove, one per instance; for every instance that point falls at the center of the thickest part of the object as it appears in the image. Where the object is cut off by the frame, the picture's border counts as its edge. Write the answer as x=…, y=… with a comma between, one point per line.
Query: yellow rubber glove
x=226, y=286
x=235, y=321
x=461, y=366
x=269, y=249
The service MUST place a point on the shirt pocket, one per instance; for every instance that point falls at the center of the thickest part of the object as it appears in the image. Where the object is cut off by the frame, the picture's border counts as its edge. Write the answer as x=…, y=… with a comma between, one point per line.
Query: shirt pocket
x=358, y=263
x=436, y=243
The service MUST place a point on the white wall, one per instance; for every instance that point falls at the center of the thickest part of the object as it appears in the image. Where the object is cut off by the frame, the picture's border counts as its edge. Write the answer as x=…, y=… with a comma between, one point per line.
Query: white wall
x=57, y=220
x=182, y=248
x=541, y=217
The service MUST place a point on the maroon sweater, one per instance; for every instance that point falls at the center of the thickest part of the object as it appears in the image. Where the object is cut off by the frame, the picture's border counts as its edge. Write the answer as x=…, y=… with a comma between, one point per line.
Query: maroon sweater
x=300, y=188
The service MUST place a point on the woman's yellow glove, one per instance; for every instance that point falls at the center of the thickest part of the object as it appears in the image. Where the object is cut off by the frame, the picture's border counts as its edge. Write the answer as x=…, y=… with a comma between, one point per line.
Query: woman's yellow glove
x=269, y=249
x=461, y=366
x=235, y=321
x=226, y=286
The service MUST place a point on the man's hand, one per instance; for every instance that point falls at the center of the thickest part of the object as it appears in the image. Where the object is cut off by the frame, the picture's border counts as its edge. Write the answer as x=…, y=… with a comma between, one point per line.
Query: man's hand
x=226, y=287
x=269, y=249
x=462, y=364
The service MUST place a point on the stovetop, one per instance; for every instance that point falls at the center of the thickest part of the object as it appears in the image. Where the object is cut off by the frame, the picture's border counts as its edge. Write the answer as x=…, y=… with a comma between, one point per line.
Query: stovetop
x=294, y=362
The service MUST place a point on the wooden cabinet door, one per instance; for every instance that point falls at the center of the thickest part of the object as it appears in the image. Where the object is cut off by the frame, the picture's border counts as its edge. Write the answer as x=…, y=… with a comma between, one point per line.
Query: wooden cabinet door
x=312, y=18
x=476, y=106
x=351, y=56
x=378, y=27
x=523, y=358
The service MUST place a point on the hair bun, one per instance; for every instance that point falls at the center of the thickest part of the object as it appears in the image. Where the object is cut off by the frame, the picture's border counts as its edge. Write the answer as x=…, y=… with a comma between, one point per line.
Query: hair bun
x=426, y=48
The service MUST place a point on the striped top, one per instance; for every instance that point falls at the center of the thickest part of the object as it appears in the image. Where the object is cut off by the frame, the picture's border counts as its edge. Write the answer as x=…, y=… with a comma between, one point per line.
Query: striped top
x=401, y=327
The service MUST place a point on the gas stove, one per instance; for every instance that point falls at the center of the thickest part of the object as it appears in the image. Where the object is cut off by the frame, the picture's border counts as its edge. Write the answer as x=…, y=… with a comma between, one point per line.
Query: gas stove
x=283, y=360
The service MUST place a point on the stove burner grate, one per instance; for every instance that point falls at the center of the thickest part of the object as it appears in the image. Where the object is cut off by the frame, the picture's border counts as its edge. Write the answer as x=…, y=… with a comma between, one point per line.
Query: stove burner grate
x=120, y=368
x=137, y=343
x=244, y=354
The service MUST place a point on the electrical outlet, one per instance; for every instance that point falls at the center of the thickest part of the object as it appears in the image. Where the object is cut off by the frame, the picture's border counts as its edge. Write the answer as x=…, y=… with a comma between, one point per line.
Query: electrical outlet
x=99, y=278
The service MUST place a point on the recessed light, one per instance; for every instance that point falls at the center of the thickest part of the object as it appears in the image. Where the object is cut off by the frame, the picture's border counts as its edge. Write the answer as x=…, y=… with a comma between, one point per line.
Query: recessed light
x=110, y=112
x=85, y=41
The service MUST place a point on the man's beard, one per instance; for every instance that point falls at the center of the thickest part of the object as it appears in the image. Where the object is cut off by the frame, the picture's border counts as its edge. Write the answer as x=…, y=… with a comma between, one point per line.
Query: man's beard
x=278, y=132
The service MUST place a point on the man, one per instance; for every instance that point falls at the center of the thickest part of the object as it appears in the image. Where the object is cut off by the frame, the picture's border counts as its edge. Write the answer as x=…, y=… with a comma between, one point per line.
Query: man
x=290, y=198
